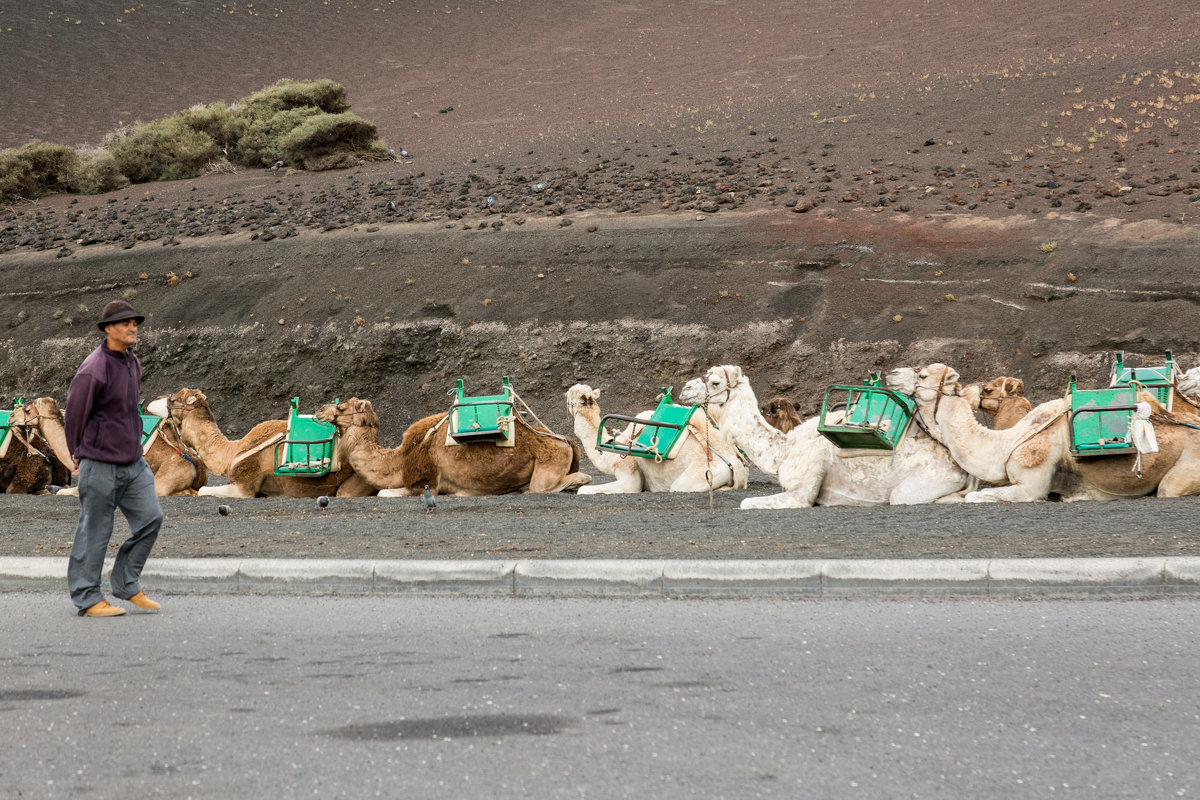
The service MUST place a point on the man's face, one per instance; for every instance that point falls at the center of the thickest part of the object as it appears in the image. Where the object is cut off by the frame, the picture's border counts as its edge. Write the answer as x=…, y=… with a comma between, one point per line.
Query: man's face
x=123, y=333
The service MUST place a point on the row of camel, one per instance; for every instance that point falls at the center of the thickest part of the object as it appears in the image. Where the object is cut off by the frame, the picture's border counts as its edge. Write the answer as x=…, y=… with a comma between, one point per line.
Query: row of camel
x=949, y=456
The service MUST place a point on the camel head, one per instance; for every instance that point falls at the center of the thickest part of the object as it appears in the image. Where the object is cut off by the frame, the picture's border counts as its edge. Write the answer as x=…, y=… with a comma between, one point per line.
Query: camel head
x=902, y=380
x=995, y=390
x=934, y=380
x=1189, y=383
x=583, y=399
x=179, y=405
x=714, y=388
x=348, y=414
x=780, y=412
x=31, y=414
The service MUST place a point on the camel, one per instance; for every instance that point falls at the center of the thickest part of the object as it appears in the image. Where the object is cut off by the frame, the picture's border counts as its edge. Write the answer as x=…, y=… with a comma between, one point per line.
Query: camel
x=249, y=462
x=704, y=460
x=539, y=459
x=781, y=413
x=1003, y=399
x=810, y=468
x=30, y=461
x=177, y=471
x=1035, y=453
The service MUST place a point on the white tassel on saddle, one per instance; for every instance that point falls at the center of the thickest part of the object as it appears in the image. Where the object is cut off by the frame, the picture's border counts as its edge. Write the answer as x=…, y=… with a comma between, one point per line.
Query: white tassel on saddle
x=1141, y=431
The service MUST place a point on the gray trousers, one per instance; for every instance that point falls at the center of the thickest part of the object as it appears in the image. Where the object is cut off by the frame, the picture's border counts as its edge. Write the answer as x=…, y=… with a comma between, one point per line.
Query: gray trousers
x=103, y=488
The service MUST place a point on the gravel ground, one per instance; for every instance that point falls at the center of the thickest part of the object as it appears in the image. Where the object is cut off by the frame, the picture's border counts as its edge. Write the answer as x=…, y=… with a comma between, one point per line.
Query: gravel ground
x=630, y=526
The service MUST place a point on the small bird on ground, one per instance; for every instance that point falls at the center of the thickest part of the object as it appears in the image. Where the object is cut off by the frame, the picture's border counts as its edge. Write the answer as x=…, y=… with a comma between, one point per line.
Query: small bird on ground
x=275, y=167
x=322, y=502
x=403, y=153
x=427, y=499
x=491, y=201
x=223, y=510
x=391, y=206
x=391, y=152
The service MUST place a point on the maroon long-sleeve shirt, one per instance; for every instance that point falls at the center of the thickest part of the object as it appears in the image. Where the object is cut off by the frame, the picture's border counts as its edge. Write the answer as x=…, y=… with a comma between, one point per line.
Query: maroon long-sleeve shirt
x=102, y=418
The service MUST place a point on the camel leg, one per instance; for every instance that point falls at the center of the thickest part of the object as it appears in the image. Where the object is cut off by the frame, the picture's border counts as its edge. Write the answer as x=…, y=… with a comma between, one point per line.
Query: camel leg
x=922, y=488
x=1013, y=493
x=1182, y=480
x=228, y=490
x=355, y=486
x=398, y=492
x=70, y=491
x=628, y=480
x=574, y=480
x=702, y=476
x=551, y=472
x=800, y=497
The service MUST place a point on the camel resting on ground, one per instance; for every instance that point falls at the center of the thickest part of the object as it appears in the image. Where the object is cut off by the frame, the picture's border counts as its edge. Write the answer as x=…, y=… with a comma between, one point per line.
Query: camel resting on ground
x=32, y=459
x=178, y=470
x=249, y=462
x=810, y=468
x=1031, y=455
x=704, y=460
x=539, y=459
x=781, y=413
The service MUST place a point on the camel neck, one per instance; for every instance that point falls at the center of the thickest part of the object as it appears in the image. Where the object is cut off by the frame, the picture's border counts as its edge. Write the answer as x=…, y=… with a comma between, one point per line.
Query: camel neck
x=743, y=423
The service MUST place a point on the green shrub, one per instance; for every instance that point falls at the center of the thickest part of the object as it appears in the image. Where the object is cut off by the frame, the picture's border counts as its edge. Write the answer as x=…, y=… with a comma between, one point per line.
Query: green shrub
x=36, y=170
x=323, y=94
x=99, y=174
x=328, y=141
x=164, y=150
x=218, y=121
x=261, y=143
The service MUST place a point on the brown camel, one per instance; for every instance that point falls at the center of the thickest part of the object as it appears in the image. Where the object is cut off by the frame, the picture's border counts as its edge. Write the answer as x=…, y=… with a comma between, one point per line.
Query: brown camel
x=781, y=413
x=539, y=459
x=1004, y=400
x=249, y=462
x=176, y=470
x=30, y=463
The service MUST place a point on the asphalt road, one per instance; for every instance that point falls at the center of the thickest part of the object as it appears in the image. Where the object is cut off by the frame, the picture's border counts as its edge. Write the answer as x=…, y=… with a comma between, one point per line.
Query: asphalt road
x=625, y=526
x=222, y=697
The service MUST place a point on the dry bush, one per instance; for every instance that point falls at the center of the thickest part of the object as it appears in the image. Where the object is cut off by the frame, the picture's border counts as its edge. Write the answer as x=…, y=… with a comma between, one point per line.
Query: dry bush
x=35, y=170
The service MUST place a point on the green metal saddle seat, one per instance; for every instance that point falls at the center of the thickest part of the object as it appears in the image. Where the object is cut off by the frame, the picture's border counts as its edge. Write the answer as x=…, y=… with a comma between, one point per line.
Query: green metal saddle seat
x=5, y=430
x=1159, y=381
x=867, y=417
x=150, y=424
x=659, y=437
x=483, y=418
x=1101, y=421
x=308, y=448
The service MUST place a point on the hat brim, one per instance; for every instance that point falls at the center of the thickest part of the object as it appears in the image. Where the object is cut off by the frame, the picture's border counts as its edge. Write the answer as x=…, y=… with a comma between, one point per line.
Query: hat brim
x=120, y=317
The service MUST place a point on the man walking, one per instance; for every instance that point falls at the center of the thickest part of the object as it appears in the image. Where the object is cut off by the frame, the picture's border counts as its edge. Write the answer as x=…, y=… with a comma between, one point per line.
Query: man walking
x=104, y=435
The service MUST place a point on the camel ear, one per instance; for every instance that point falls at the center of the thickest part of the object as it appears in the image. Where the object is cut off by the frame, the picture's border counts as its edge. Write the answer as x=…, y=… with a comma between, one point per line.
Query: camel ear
x=362, y=405
x=596, y=393
x=191, y=400
x=1016, y=386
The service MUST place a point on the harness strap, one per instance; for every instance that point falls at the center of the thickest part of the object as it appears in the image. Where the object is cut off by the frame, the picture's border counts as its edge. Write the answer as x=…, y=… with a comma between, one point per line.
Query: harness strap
x=256, y=449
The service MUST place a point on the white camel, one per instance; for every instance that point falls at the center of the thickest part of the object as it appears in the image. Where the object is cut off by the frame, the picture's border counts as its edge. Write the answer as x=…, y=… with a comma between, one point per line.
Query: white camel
x=811, y=469
x=1034, y=455
x=703, y=460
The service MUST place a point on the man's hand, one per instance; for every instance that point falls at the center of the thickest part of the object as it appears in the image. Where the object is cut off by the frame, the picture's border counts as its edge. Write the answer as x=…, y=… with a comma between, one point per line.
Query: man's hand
x=75, y=466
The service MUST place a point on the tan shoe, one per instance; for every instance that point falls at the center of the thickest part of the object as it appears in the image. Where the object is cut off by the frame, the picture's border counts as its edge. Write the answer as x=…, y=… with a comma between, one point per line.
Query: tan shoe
x=144, y=603
x=103, y=609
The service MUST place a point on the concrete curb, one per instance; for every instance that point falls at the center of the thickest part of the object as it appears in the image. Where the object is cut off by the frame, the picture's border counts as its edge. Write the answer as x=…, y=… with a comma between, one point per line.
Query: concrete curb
x=1007, y=577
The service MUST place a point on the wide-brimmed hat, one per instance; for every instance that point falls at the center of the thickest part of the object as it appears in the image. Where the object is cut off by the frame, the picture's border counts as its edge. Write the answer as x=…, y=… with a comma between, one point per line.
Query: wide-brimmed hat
x=116, y=311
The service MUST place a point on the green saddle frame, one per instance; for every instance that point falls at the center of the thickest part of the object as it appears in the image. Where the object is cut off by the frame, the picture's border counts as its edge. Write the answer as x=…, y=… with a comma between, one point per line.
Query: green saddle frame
x=307, y=449
x=875, y=417
x=659, y=435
